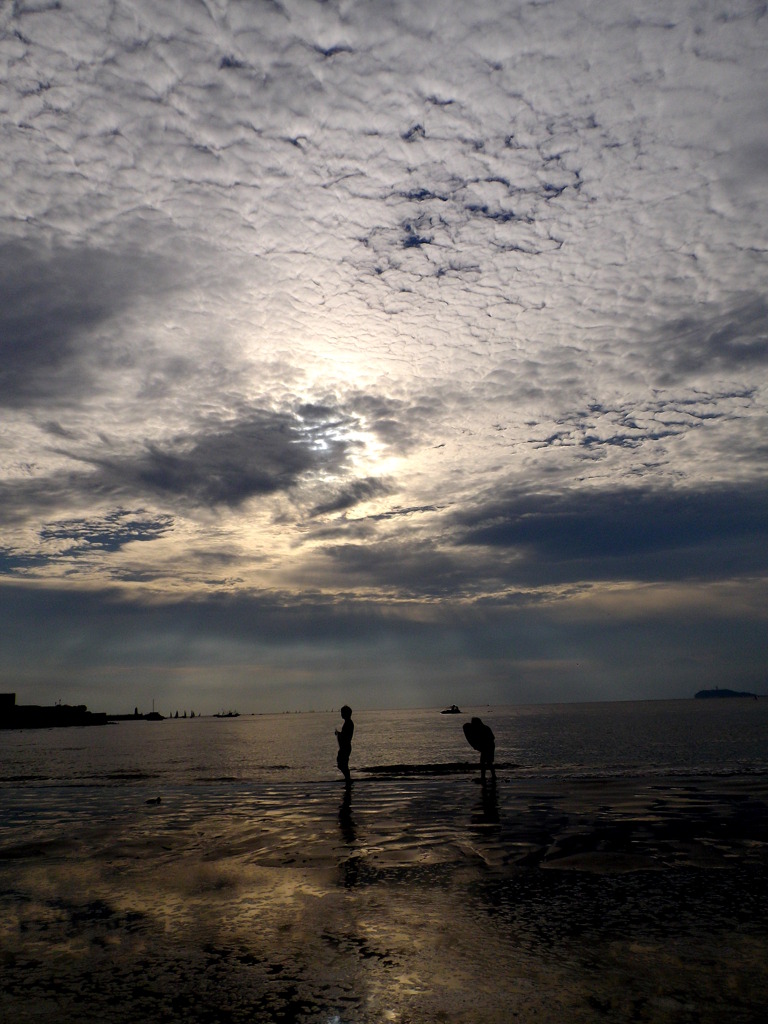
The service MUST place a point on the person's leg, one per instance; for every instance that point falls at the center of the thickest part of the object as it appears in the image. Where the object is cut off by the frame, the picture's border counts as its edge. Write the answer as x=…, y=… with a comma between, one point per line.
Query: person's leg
x=343, y=766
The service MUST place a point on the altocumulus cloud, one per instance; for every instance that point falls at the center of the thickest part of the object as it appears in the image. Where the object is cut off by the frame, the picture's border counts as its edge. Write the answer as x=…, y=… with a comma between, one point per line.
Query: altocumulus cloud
x=405, y=330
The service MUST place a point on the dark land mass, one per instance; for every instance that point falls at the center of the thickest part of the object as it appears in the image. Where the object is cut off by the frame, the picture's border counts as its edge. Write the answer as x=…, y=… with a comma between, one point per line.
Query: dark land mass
x=705, y=694
x=36, y=716
x=151, y=716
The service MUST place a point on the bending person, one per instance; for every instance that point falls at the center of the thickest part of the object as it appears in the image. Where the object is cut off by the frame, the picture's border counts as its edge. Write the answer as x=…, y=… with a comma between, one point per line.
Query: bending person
x=480, y=736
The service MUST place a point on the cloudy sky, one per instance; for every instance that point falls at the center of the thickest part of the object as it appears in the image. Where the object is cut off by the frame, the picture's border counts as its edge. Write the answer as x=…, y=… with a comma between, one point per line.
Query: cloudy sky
x=391, y=352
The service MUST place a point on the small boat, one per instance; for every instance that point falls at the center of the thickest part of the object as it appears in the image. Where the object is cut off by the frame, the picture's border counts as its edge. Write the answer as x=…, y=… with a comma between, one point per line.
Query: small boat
x=452, y=710
x=227, y=714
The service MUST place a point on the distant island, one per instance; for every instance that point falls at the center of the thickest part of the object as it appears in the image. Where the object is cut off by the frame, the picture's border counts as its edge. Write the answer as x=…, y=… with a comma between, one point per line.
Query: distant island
x=717, y=692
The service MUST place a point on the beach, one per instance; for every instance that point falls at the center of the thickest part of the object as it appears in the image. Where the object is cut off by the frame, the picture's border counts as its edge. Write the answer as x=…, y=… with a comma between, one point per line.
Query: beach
x=415, y=898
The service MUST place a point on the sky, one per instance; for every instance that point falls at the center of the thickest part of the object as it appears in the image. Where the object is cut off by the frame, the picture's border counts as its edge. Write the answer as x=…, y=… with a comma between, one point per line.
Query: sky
x=382, y=352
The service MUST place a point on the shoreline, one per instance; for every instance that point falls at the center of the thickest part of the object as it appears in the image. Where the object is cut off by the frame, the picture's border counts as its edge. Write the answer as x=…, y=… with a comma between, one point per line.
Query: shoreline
x=429, y=899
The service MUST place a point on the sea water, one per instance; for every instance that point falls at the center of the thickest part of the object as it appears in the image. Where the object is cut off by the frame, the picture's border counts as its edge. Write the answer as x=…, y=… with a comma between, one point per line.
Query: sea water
x=50, y=775
x=590, y=739
x=587, y=739
x=258, y=888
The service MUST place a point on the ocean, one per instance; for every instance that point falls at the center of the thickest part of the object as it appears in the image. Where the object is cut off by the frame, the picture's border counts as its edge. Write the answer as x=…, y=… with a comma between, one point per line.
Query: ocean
x=202, y=871
x=48, y=777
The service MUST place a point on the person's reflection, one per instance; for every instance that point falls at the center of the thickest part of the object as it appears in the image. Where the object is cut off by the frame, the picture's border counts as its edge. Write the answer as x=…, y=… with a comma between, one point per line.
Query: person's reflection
x=486, y=811
x=346, y=821
x=350, y=866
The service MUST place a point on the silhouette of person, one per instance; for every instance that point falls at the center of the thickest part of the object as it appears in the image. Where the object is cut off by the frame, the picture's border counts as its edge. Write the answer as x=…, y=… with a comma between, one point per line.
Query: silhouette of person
x=344, y=736
x=480, y=736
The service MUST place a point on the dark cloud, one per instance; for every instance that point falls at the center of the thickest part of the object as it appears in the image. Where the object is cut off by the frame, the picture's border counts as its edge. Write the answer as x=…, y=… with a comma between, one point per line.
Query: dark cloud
x=399, y=423
x=397, y=513
x=260, y=454
x=406, y=567
x=504, y=652
x=110, y=532
x=16, y=563
x=731, y=342
x=353, y=494
x=575, y=538
x=660, y=417
x=625, y=533
x=65, y=540
x=227, y=463
x=56, y=429
x=39, y=497
x=51, y=301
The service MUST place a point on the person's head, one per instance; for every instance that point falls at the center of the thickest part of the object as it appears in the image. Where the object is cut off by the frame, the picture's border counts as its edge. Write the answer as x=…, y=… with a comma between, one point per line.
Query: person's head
x=477, y=721
x=346, y=712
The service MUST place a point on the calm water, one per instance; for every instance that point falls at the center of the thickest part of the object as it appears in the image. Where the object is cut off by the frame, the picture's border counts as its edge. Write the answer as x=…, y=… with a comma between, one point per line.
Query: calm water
x=600, y=739
x=53, y=780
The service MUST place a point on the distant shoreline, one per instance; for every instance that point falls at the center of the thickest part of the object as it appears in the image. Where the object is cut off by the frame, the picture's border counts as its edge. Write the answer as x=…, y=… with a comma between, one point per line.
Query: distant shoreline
x=57, y=716
x=717, y=692
x=617, y=900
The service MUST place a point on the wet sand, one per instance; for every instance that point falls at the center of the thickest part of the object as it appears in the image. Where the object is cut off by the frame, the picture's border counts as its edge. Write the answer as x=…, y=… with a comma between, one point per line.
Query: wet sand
x=423, y=898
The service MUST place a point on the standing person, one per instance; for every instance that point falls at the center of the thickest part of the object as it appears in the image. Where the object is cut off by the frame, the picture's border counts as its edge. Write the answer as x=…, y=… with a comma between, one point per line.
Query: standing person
x=480, y=736
x=344, y=736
